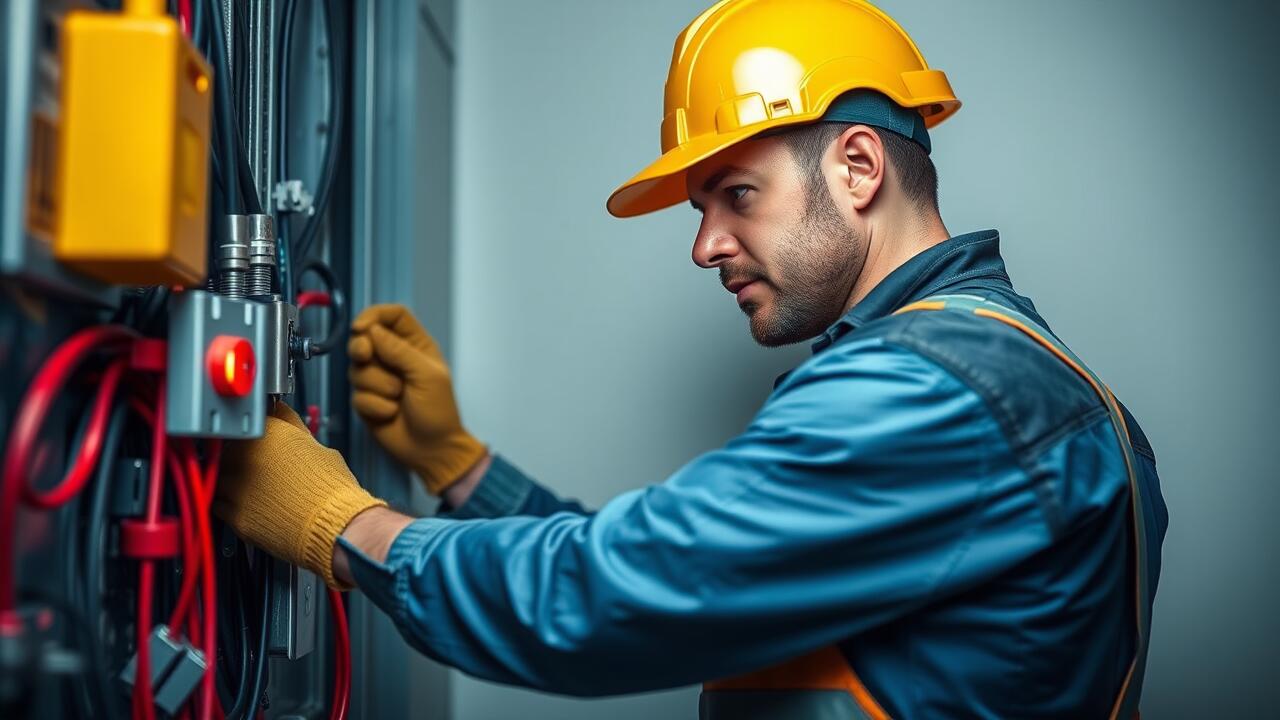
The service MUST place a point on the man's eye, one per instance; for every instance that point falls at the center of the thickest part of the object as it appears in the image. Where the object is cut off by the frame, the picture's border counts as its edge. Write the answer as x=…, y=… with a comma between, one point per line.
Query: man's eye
x=738, y=192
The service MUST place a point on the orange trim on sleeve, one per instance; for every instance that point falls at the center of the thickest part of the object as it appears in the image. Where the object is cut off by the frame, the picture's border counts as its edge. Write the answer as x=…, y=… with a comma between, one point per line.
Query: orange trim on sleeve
x=923, y=305
x=825, y=669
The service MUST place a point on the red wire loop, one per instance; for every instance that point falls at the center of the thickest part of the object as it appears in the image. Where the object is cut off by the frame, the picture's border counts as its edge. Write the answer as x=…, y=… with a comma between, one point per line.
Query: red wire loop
x=90, y=447
x=44, y=389
x=313, y=298
x=152, y=537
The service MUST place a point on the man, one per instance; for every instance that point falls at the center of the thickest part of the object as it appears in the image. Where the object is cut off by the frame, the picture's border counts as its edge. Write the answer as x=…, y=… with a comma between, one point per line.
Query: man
x=942, y=513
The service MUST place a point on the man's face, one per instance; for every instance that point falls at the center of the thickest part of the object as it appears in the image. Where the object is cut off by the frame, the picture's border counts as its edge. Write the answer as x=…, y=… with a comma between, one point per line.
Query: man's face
x=782, y=247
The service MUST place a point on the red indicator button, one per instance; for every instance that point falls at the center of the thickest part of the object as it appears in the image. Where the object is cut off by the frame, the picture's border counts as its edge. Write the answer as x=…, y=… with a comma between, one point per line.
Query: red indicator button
x=231, y=365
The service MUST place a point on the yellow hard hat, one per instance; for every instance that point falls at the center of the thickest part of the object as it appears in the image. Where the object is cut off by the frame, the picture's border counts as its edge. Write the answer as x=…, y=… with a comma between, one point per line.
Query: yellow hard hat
x=746, y=66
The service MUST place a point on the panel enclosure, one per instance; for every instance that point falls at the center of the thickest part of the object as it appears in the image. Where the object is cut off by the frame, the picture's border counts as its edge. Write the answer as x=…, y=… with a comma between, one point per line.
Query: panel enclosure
x=194, y=408
x=30, y=73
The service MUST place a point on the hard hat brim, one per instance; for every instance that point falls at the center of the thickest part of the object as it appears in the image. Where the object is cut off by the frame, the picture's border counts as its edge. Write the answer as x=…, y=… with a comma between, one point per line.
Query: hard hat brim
x=662, y=184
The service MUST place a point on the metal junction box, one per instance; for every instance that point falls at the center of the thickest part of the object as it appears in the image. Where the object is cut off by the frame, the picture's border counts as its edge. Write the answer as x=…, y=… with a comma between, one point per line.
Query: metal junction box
x=199, y=403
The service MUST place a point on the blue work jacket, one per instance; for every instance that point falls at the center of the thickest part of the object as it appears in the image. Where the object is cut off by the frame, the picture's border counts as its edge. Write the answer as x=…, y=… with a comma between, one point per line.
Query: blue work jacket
x=932, y=492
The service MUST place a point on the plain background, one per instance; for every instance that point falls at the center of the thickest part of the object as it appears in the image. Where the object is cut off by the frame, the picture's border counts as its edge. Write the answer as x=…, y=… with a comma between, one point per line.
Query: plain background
x=1124, y=150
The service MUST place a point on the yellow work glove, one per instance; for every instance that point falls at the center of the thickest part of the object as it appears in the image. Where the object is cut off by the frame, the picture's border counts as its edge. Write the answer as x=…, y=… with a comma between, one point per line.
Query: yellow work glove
x=290, y=495
x=403, y=391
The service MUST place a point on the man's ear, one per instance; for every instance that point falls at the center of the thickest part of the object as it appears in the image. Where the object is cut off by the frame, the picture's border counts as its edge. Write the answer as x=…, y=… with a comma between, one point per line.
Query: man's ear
x=862, y=155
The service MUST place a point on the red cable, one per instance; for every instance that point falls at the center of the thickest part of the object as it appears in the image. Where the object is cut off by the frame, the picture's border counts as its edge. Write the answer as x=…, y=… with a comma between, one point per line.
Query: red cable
x=341, y=642
x=143, y=695
x=184, y=16
x=143, y=698
x=190, y=545
x=90, y=447
x=312, y=298
x=209, y=599
x=44, y=389
x=159, y=443
x=342, y=664
x=211, y=472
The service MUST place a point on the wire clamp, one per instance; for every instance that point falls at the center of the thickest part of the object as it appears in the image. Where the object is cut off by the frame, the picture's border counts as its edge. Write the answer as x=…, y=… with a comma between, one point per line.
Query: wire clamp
x=149, y=540
x=292, y=197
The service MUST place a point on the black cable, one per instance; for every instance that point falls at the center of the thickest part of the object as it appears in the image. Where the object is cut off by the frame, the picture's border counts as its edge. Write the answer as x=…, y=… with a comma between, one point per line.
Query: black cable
x=224, y=116
x=324, y=186
x=249, y=694
x=233, y=165
x=240, y=35
x=240, y=47
x=198, y=26
x=95, y=544
x=68, y=518
x=285, y=43
x=241, y=581
x=151, y=310
x=229, y=603
x=337, y=306
x=267, y=571
x=69, y=529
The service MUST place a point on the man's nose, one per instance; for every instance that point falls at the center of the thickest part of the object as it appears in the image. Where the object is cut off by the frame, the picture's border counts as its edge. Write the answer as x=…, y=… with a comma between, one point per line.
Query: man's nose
x=714, y=247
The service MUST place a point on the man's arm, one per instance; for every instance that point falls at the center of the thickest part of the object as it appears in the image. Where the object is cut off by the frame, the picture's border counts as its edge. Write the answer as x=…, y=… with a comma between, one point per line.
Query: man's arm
x=372, y=531
x=861, y=492
x=456, y=495
x=495, y=488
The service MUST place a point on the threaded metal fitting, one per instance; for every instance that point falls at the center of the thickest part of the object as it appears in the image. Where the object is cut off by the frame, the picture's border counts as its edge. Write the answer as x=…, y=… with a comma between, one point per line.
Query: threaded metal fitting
x=233, y=256
x=262, y=256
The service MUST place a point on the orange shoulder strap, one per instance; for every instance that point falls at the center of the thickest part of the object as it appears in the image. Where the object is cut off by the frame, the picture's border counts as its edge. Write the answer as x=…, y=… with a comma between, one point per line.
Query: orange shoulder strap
x=1126, y=703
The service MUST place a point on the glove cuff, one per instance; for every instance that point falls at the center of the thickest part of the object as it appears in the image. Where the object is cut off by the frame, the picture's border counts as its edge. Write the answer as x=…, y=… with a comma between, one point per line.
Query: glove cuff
x=451, y=461
x=324, y=527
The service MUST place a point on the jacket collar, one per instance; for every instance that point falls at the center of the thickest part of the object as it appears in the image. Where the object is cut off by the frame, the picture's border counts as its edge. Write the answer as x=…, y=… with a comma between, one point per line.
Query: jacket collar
x=963, y=257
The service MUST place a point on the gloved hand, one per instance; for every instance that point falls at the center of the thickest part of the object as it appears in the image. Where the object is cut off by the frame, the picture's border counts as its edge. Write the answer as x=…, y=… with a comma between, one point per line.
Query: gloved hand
x=404, y=392
x=290, y=495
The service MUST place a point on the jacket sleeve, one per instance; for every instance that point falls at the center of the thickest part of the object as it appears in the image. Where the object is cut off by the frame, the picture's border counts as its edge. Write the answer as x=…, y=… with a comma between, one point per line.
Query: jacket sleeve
x=505, y=491
x=871, y=483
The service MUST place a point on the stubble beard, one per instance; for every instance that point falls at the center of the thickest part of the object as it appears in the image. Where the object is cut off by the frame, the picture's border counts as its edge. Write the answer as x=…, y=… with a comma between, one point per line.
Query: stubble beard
x=816, y=269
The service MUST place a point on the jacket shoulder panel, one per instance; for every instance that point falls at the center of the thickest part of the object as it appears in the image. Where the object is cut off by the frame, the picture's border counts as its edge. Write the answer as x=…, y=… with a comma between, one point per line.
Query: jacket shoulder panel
x=1036, y=399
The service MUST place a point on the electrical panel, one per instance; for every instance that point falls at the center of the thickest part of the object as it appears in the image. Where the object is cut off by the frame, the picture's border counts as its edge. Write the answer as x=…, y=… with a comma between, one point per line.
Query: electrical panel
x=152, y=313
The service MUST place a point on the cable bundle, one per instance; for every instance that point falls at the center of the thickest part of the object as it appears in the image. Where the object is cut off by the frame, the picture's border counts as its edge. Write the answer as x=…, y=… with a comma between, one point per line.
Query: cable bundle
x=125, y=416
x=135, y=360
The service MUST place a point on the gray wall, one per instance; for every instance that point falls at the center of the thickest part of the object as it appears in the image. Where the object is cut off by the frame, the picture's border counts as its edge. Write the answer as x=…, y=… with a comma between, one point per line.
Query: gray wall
x=1125, y=151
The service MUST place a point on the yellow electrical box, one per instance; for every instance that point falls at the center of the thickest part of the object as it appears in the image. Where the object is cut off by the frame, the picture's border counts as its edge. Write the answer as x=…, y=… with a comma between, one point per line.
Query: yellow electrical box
x=133, y=150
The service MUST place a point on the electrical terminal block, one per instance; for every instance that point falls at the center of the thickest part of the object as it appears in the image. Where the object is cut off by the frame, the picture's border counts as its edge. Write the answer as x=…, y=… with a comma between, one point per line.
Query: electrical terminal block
x=216, y=388
x=294, y=604
x=129, y=488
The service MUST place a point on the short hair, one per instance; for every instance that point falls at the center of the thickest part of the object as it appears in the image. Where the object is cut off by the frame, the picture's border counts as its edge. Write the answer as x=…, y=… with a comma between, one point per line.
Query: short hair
x=916, y=172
